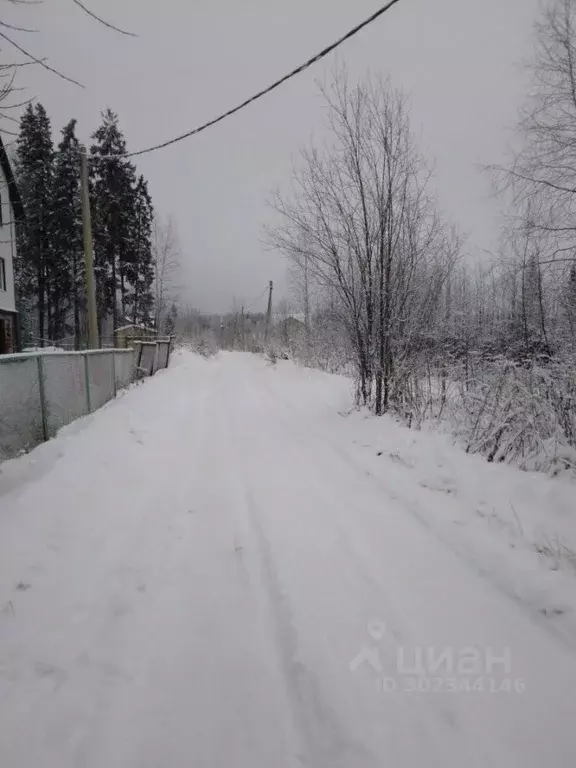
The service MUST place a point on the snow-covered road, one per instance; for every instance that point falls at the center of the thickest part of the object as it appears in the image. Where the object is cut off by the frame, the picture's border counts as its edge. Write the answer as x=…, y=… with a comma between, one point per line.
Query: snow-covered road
x=222, y=569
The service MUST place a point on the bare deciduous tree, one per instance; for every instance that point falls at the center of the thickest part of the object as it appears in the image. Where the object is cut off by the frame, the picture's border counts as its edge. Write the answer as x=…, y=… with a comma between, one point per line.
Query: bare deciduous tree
x=361, y=220
x=543, y=174
x=165, y=254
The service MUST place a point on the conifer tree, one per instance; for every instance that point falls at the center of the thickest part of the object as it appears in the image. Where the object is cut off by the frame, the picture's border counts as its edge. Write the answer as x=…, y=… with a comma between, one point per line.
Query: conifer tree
x=139, y=269
x=36, y=270
x=112, y=193
x=66, y=234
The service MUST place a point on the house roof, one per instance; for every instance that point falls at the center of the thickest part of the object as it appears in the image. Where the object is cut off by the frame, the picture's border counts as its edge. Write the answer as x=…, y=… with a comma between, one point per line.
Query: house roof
x=132, y=327
x=298, y=319
x=13, y=193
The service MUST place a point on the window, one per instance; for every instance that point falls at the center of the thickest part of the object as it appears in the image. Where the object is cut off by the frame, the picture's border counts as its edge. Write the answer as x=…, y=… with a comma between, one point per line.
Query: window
x=2, y=275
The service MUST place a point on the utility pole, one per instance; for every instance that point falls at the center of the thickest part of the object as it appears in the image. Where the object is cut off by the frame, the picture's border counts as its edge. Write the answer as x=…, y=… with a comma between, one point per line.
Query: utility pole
x=243, y=330
x=88, y=253
x=269, y=312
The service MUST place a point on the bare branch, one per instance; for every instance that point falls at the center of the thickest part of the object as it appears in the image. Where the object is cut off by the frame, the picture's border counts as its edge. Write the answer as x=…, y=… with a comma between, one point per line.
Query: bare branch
x=17, y=29
x=102, y=21
x=39, y=61
x=20, y=104
x=9, y=117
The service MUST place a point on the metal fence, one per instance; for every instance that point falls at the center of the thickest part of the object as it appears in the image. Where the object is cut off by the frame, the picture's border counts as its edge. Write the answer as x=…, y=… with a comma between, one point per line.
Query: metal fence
x=42, y=392
x=150, y=356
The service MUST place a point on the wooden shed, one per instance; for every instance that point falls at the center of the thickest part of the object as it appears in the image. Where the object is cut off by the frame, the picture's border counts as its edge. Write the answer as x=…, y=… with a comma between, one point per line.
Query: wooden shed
x=123, y=337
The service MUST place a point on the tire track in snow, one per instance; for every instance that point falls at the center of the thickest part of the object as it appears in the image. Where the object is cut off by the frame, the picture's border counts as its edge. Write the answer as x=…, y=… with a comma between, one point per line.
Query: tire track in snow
x=317, y=723
x=323, y=739
x=324, y=736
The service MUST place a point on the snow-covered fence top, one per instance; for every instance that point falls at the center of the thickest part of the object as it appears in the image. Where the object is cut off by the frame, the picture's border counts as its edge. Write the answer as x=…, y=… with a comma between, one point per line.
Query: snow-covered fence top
x=40, y=393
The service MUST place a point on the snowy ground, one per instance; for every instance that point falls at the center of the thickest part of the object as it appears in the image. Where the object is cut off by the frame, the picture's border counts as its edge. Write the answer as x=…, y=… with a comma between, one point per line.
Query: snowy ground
x=225, y=567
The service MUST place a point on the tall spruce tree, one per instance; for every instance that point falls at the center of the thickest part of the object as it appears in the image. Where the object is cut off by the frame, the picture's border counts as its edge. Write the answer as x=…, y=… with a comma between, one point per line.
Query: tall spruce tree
x=139, y=270
x=112, y=189
x=36, y=266
x=66, y=234
x=50, y=268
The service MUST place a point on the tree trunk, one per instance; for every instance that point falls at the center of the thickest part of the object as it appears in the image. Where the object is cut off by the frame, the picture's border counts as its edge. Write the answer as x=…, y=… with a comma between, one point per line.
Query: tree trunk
x=386, y=349
x=122, y=294
x=113, y=292
x=76, y=300
x=381, y=335
x=41, y=304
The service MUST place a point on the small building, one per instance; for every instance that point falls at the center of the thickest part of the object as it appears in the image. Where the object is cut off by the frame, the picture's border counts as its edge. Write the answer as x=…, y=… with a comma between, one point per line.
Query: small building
x=291, y=328
x=11, y=212
x=125, y=335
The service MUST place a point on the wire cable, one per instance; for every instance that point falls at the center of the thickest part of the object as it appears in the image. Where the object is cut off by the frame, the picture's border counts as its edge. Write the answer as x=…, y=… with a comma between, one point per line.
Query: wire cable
x=256, y=300
x=322, y=54
x=310, y=62
x=318, y=57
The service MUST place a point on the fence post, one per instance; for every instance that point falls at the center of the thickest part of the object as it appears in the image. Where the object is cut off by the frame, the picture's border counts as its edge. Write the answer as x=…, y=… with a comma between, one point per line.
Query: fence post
x=87, y=375
x=152, y=371
x=155, y=358
x=114, y=391
x=42, y=396
x=139, y=361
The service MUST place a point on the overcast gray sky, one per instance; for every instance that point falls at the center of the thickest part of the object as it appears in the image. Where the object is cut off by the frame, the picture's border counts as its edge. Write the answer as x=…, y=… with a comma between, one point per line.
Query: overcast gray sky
x=460, y=62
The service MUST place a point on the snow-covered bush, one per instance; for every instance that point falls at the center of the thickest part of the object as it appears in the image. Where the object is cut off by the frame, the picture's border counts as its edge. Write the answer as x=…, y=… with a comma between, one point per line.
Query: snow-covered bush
x=524, y=414
x=205, y=344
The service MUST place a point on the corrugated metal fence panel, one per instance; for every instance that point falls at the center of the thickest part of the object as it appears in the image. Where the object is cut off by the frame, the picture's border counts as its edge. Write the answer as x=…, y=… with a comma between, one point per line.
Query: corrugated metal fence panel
x=124, y=367
x=137, y=347
x=147, y=358
x=65, y=393
x=155, y=363
x=101, y=377
x=20, y=409
x=163, y=349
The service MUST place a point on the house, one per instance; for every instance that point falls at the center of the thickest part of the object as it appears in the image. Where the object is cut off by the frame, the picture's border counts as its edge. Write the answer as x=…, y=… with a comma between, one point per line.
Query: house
x=11, y=211
x=291, y=328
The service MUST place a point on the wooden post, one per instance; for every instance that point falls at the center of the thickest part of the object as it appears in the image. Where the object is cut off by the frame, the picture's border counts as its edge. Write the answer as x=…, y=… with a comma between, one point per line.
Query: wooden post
x=88, y=253
x=87, y=377
x=269, y=312
x=42, y=393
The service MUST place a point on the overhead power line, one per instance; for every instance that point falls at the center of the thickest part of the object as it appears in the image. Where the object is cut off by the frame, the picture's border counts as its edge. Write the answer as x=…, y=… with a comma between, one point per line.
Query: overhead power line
x=256, y=300
x=322, y=54
x=102, y=21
